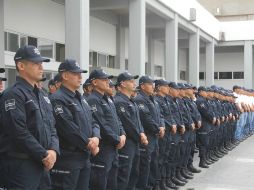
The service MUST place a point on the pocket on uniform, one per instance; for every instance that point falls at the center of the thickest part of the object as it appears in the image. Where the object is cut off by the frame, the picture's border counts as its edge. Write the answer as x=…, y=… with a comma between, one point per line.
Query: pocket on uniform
x=31, y=106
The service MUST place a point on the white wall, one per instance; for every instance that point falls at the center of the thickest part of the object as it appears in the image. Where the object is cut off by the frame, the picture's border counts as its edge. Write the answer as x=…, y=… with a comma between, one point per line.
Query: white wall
x=40, y=18
x=102, y=36
x=159, y=53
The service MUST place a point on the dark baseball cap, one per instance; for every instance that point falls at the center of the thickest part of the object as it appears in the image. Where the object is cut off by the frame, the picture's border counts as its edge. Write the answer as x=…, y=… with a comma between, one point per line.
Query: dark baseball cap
x=86, y=83
x=125, y=76
x=145, y=79
x=70, y=65
x=57, y=78
x=99, y=74
x=3, y=79
x=161, y=82
x=173, y=85
x=202, y=88
x=30, y=53
x=2, y=70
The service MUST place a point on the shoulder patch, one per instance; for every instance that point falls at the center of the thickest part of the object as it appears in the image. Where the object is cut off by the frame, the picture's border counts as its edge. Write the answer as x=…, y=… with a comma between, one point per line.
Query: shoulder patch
x=10, y=104
x=58, y=109
x=46, y=99
x=122, y=109
x=93, y=108
x=202, y=105
x=141, y=106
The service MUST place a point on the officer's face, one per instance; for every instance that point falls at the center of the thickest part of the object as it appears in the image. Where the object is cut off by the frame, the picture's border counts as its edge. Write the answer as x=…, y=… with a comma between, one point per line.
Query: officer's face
x=148, y=88
x=73, y=80
x=31, y=70
x=52, y=89
x=164, y=89
x=101, y=84
x=111, y=91
x=1, y=86
x=129, y=85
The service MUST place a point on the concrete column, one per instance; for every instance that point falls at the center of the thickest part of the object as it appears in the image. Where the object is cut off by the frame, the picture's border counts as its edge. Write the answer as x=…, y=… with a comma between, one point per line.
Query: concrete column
x=137, y=35
x=171, y=53
x=120, y=47
x=151, y=57
x=2, y=33
x=248, y=64
x=210, y=63
x=194, y=59
x=77, y=15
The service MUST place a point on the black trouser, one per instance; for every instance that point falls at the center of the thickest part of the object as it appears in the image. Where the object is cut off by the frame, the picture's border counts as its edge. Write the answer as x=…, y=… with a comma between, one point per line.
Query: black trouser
x=128, y=172
x=203, y=138
x=104, y=169
x=71, y=171
x=18, y=173
x=146, y=161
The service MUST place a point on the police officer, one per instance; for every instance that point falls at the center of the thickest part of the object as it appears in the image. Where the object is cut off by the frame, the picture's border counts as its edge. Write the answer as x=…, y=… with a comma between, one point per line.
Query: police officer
x=29, y=141
x=154, y=128
x=208, y=120
x=2, y=80
x=162, y=90
x=51, y=87
x=78, y=132
x=87, y=88
x=111, y=90
x=57, y=80
x=105, y=163
x=128, y=112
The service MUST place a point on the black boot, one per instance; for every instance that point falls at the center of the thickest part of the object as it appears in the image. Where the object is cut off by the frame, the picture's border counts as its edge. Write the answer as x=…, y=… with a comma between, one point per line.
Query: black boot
x=170, y=184
x=185, y=174
x=202, y=163
x=177, y=181
x=193, y=169
x=163, y=185
x=179, y=176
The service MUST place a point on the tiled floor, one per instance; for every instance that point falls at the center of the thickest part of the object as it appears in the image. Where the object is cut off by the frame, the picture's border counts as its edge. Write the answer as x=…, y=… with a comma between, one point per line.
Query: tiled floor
x=235, y=171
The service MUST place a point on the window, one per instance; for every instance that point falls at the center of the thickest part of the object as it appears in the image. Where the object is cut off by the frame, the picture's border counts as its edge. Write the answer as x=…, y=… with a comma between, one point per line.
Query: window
x=182, y=75
x=45, y=47
x=126, y=64
x=5, y=41
x=102, y=62
x=158, y=71
x=216, y=76
x=111, y=61
x=93, y=58
x=32, y=41
x=238, y=75
x=60, y=52
x=11, y=41
x=225, y=75
x=202, y=75
x=23, y=41
x=146, y=68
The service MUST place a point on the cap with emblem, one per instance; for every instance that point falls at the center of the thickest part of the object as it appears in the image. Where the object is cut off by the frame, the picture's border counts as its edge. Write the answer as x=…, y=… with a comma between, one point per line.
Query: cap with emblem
x=161, y=82
x=145, y=79
x=125, y=76
x=30, y=53
x=99, y=74
x=202, y=88
x=173, y=85
x=70, y=65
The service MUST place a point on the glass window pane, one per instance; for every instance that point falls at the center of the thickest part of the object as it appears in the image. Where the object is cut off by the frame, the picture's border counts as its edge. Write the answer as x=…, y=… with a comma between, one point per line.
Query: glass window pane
x=45, y=47
x=201, y=75
x=23, y=41
x=13, y=42
x=215, y=75
x=60, y=52
x=102, y=60
x=225, y=75
x=182, y=75
x=95, y=57
x=111, y=61
x=5, y=41
x=126, y=64
x=158, y=71
x=32, y=41
x=238, y=75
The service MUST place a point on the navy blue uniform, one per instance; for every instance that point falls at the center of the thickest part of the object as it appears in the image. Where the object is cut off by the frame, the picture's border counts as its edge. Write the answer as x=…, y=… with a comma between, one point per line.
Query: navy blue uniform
x=28, y=131
x=129, y=155
x=105, y=163
x=151, y=120
x=165, y=161
x=75, y=125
